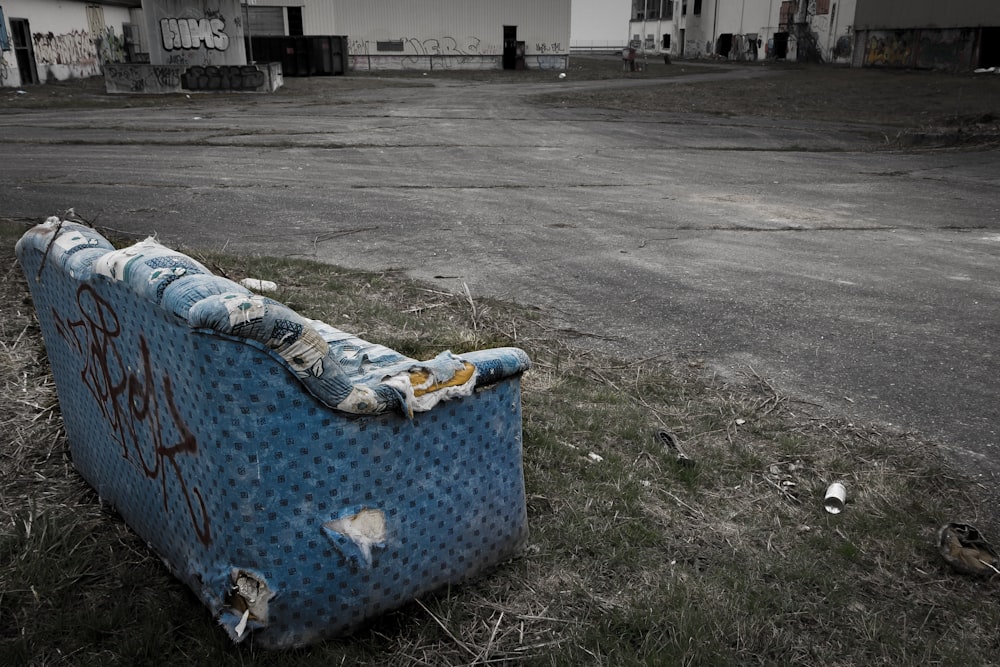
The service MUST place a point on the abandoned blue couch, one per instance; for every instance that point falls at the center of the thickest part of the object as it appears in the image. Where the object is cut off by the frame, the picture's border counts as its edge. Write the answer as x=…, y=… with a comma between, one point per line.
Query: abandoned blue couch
x=299, y=479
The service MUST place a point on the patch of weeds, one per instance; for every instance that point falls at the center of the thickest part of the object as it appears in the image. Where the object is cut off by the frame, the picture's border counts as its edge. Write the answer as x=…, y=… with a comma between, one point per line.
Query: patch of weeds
x=633, y=558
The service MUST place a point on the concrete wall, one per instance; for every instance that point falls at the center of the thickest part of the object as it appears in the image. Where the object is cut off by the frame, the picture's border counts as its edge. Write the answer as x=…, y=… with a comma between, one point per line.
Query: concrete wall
x=950, y=49
x=903, y=14
x=62, y=41
x=194, y=32
x=160, y=79
x=467, y=35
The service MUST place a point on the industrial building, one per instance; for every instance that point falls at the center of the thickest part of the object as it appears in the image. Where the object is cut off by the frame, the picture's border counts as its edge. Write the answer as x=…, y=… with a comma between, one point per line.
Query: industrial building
x=864, y=33
x=428, y=34
x=926, y=34
x=45, y=40
x=41, y=40
x=808, y=30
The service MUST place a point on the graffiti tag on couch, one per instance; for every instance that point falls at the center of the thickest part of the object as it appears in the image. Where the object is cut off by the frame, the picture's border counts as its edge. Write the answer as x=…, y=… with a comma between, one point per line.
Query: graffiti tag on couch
x=194, y=33
x=140, y=415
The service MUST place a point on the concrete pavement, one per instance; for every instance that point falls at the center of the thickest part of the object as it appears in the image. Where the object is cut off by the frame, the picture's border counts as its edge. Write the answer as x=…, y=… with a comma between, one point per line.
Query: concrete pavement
x=866, y=282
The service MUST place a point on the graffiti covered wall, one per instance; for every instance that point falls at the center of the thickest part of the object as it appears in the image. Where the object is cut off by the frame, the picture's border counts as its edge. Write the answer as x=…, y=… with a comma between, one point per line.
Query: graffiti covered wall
x=195, y=32
x=71, y=54
x=951, y=49
x=160, y=79
x=64, y=42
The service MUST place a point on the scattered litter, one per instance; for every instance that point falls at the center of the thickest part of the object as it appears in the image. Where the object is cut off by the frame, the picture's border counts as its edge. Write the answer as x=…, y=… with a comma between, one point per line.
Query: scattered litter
x=196, y=118
x=596, y=458
x=835, y=498
x=985, y=70
x=22, y=92
x=673, y=447
x=741, y=422
x=562, y=75
x=259, y=285
x=965, y=549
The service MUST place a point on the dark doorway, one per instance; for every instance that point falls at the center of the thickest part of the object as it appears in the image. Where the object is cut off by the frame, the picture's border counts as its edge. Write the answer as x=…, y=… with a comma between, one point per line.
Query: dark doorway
x=724, y=45
x=780, y=45
x=295, y=21
x=24, y=52
x=989, y=47
x=510, y=47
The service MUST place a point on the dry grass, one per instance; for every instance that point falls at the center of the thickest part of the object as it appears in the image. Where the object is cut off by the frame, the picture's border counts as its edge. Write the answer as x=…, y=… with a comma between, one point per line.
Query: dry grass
x=633, y=558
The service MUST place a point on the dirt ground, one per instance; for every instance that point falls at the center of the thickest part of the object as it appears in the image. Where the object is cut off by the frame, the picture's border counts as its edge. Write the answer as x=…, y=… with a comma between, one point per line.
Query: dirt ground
x=927, y=107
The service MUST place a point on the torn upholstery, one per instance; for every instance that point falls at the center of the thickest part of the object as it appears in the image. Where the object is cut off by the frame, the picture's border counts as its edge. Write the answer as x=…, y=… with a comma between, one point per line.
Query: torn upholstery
x=298, y=479
x=341, y=370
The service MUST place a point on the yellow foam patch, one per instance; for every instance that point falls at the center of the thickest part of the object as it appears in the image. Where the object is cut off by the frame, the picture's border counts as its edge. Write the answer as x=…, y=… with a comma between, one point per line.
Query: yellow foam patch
x=419, y=377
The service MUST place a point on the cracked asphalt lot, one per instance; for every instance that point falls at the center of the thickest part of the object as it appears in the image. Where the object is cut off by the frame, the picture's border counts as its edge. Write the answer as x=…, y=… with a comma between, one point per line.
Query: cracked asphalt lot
x=861, y=279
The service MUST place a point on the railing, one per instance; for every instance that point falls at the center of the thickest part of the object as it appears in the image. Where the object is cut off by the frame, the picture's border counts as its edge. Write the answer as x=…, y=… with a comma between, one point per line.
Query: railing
x=596, y=46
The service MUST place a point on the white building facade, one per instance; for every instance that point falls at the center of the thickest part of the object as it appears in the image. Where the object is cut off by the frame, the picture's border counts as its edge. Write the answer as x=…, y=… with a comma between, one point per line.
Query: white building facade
x=808, y=30
x=42, y=40
x=46, y=40
x=429, y=34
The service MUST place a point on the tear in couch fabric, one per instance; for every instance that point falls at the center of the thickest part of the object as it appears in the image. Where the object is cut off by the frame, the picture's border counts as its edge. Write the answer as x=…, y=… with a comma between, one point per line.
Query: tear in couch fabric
x=341, y=370
x=298, y=479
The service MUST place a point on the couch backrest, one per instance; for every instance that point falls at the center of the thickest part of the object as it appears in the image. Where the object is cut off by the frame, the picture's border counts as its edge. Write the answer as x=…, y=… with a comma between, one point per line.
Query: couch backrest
x=344, y=372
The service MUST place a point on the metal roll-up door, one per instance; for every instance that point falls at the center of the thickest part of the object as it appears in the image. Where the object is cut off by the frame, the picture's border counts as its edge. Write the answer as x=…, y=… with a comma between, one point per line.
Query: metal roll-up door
x=264, y=21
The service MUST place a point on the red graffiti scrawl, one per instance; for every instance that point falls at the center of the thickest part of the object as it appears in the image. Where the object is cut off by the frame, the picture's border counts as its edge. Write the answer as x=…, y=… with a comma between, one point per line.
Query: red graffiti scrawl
x=130, y=401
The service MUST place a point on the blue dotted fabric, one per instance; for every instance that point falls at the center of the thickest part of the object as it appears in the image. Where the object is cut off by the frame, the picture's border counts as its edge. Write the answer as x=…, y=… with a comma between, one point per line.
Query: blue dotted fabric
x=217, y=456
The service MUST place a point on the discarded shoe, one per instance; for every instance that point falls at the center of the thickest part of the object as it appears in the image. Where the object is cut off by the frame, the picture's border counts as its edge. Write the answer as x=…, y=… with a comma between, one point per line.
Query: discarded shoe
x=963, y=547
x=669, y=441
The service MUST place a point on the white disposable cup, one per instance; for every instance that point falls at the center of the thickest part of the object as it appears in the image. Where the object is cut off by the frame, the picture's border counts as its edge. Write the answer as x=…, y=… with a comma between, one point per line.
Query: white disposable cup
x=836, y=496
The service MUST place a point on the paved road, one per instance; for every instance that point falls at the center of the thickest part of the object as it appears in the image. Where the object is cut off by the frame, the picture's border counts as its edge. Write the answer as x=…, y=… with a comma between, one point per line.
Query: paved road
x=867, y=282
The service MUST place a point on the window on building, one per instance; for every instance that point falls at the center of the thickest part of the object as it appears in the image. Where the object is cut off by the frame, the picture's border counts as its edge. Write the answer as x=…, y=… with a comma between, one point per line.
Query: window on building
x=668, y=10
x=697, y=7
x=786, y=15
x=295, y=21
x=822, y=7
x=666, y=42
x=684, y=8
x=639, y=10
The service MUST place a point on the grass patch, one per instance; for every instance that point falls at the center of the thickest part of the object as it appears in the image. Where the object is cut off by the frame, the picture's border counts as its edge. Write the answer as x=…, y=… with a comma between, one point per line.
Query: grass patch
x=633, y=559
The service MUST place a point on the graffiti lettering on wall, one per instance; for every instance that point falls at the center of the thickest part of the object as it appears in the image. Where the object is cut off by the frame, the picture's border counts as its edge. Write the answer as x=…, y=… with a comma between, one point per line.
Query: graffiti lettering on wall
x=138, y=413
x=554, y=47
x=72, y=48
x=223, y=77
x=194, y=33
x=446, y=46
x=129, y=78
x=140, y=79
x=111, y=47
x=550, y=62
x=888, y=50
